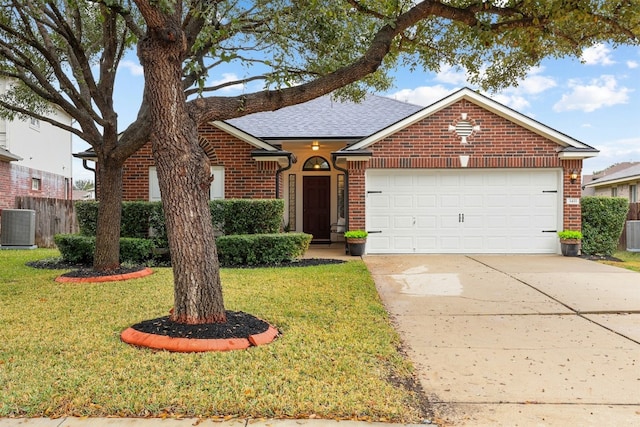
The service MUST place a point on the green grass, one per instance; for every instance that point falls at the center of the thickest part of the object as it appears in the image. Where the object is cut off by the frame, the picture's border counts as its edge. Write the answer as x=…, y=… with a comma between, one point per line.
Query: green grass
x=60, y=352
x=630, y=260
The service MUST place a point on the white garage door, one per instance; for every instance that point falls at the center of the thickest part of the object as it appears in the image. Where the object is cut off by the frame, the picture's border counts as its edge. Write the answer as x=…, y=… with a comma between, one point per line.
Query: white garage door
x=463, y=211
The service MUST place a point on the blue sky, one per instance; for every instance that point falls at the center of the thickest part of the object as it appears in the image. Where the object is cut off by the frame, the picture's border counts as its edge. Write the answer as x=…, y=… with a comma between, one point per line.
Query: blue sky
x=595, y=100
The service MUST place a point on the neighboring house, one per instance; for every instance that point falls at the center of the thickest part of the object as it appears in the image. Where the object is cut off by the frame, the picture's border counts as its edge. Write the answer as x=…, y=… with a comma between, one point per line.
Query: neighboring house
x=623, y=183
x=84, y=194
x=463, y=175
x=35, y=159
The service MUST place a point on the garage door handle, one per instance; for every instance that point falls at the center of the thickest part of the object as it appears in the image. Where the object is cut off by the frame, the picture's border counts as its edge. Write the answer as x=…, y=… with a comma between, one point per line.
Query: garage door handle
x=549, y=231
x=460, y=217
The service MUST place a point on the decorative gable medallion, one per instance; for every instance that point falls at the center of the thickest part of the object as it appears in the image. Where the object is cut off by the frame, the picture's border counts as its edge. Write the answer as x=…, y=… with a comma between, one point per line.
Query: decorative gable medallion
x=464, y=128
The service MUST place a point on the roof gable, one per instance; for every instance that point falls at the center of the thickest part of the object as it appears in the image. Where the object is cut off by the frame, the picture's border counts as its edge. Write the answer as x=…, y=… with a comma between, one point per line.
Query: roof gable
x=571, y=148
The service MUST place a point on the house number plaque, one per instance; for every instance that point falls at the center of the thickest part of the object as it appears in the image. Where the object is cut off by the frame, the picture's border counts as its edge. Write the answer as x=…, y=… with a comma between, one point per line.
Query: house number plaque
x=573, y=201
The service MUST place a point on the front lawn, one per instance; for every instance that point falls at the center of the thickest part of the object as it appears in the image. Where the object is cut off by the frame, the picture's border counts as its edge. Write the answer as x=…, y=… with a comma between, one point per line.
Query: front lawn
x=629, y=260
x=60, y=351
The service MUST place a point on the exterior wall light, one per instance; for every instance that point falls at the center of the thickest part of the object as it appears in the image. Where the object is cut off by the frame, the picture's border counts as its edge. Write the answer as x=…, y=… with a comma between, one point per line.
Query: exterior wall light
x=574, y=176
x=315, y=145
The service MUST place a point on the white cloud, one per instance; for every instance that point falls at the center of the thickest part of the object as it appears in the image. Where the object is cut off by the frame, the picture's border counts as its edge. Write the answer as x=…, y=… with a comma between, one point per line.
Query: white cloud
x=632, y=64
x=597, y=55
x=517, y=97
x=612, y=152
x=226, y=78
x=535, y=83
x=452, y=75
x=422, y=95
x=599, y=93
x=516, y=102
x=134, y=68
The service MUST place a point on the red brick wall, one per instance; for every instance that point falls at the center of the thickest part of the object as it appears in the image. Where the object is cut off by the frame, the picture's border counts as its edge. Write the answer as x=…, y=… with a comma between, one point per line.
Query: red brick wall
x=15, y=181
x=572, y=213
x=244, y=177
x=430, y=144
x=6, y=193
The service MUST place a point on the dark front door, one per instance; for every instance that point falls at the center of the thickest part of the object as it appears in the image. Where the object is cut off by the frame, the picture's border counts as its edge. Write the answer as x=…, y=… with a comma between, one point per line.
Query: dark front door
x=316, y=201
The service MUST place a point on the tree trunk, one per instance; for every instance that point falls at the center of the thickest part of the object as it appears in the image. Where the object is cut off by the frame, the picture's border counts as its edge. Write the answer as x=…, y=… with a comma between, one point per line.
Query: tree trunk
x=184, y=177
x=107, y=254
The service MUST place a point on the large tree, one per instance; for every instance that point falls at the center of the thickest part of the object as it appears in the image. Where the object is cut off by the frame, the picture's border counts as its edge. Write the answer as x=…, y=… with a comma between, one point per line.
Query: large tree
x=65, y=55
x=300, y=50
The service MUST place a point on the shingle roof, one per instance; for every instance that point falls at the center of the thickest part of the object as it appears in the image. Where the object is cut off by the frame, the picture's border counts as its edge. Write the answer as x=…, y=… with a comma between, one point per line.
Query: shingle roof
x=632, y=172
x=326, y=118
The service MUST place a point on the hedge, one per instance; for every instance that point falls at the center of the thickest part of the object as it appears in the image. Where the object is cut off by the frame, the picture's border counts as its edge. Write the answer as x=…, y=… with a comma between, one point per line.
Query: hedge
x=261, y=249
x=135, y=218
x=603, y=219
x=79, y=249
x=229, y=216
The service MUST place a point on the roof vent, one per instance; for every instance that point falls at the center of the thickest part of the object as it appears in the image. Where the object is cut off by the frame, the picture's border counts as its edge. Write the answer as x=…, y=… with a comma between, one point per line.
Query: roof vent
x=464, y=128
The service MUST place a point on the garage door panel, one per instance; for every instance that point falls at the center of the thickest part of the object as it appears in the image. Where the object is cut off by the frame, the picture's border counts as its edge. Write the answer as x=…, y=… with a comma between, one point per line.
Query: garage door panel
x=505, y=211
x=403, y=183
x=403, y=222
x=379, y=201
x=401, y=201
x=473, y=201
x=426, y=201
x=450, y=201
x=426, y=222
x=426, y=181
x=380, y=222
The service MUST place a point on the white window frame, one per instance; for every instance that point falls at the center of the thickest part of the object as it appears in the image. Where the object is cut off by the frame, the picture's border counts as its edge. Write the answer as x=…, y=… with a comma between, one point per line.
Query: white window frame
x=36, y=184
x=633, y=193
x=216, y=191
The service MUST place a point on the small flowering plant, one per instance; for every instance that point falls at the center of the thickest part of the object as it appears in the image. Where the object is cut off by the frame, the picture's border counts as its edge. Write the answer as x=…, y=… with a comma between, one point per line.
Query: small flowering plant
x=570, y=235
x=355, y=234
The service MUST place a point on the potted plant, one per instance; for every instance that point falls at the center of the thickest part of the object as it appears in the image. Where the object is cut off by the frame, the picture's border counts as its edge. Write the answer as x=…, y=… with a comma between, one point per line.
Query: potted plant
x=570, y=242
x=356, y=240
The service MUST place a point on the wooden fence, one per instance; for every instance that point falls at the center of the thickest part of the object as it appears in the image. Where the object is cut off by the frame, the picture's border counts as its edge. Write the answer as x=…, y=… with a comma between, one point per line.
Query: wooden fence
x=53, y=216
x=633, y=215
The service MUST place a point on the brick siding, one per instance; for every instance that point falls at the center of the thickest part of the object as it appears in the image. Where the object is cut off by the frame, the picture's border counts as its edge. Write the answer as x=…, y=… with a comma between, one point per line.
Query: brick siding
x=244, y=178
x=430, y=144
x=15, y=181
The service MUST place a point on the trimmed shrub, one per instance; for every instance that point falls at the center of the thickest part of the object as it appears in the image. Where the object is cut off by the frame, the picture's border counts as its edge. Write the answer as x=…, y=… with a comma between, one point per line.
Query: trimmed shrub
x=136, y=251
x=79, y=249
x=136, y=217
x=158, y=231
x=87, y=214
x=603, y=219
x=261, y=249
x=76, y=248
x=247, y=216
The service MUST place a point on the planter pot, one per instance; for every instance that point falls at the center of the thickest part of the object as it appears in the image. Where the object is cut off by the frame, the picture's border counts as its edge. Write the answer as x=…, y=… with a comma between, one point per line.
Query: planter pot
x=356, y=246
x=570, y=247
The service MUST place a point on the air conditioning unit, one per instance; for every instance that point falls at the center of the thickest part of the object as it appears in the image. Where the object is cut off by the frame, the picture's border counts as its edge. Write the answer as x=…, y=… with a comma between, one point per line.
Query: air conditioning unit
x=633, y=236
x=18, y=229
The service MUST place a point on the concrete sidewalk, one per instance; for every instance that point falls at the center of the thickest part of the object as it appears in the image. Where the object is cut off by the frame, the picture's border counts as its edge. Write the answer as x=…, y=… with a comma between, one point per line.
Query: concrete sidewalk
x=518, y=340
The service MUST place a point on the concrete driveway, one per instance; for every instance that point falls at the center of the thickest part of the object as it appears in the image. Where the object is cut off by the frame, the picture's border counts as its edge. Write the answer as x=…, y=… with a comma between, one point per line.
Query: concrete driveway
x=518, y=340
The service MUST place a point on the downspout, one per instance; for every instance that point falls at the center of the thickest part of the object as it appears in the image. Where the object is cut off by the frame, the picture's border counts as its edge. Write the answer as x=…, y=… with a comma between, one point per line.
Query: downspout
x=86, y=166
x=280, y=170
x=346, y=190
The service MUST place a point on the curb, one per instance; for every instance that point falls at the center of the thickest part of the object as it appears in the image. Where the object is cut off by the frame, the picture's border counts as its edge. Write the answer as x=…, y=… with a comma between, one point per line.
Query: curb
x=113, y=278
x=194, y=345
